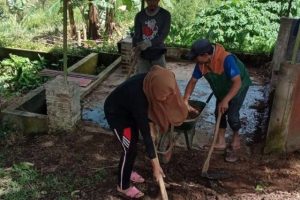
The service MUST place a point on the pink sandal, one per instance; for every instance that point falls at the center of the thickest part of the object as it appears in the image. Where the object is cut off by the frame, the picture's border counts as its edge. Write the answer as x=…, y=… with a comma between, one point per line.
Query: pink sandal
x=136, y=178
x=132, y=193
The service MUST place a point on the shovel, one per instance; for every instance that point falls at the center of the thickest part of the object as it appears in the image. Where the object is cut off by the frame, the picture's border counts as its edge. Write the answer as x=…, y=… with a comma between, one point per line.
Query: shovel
x=206, y=163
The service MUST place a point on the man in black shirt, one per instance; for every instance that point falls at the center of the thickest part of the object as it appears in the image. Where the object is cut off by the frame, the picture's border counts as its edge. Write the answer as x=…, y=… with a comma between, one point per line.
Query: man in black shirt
x=151, y=28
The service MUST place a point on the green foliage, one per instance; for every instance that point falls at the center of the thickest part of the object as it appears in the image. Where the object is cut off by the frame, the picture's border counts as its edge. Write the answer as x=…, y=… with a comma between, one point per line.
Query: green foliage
x=247, y=26
x=18, y=182
x=17, y=7
x=242, y=25
x=36, y=21
x=280, y=7
x=182, y=19
x=20, y=74
x=129, y=3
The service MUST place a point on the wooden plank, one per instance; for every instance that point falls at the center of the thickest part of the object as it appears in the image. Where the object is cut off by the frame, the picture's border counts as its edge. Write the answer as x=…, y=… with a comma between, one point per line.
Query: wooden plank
x=82, y=82
x=101, y=77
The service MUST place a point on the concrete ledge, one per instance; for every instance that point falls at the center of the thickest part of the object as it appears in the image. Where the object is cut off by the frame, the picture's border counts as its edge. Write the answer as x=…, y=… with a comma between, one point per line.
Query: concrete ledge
x=87, y=65
x=26, y=121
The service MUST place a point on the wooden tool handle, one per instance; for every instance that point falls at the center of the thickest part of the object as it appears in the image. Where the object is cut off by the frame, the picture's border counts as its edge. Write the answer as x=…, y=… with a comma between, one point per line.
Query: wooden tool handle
x=206, y=164
x=136, y=54
x=162, y=187
x=161, y=182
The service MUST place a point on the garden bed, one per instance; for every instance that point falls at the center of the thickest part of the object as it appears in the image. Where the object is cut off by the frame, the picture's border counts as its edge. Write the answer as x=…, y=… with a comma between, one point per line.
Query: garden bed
x=30, y=114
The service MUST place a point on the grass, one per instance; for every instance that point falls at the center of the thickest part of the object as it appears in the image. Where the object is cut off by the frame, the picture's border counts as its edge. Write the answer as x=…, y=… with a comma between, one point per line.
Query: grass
x=23, y=181
x=39, y=25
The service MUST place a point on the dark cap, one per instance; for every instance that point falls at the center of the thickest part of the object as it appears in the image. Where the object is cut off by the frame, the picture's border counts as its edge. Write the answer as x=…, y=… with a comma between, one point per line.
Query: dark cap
x=199, y=47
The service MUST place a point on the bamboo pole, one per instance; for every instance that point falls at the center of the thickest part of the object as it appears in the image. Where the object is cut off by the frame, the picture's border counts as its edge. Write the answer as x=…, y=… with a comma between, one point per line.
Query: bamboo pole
x=65, y=37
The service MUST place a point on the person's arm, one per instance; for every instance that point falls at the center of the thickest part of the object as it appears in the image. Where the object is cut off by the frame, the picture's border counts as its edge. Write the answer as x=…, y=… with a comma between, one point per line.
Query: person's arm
x=188, y=92
x=144, y=127
x=232, y=71
x=142, y=123
x=197, y=74
x=189, y=89
x=164, y=30
x=236, y=85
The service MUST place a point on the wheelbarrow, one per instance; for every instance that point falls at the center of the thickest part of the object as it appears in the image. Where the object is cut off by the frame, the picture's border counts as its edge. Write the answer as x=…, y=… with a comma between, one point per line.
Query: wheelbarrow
x=168, y=140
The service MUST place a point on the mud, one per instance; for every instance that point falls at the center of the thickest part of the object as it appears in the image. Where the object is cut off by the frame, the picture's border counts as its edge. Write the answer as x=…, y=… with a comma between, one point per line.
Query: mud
x=253, y=113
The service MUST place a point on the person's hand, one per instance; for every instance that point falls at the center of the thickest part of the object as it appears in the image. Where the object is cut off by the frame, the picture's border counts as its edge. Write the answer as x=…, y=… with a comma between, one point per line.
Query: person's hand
x=191, y=108
x=144, y=45
x=157, y=172
x=223, y=106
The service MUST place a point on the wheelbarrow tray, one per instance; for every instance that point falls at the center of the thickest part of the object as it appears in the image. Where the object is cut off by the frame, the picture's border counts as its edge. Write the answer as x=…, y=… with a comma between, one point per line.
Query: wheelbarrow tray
x=189, y=124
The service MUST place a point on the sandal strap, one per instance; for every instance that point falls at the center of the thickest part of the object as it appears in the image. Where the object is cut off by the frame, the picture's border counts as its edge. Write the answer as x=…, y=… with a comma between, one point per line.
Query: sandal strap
x=136, y=177
x=133, y=192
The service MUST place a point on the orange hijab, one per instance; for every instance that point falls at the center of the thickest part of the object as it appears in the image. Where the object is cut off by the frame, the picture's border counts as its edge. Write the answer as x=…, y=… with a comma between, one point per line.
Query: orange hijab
x=166, y=105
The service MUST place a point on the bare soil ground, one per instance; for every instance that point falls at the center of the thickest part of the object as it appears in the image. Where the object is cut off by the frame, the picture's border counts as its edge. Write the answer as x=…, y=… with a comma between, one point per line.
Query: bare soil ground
x=82, y=154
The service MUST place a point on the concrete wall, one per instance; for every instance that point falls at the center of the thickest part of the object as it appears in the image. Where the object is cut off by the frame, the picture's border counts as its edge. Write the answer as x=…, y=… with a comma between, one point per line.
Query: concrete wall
x=284, y=125
x=63, y=105
x=23, y=120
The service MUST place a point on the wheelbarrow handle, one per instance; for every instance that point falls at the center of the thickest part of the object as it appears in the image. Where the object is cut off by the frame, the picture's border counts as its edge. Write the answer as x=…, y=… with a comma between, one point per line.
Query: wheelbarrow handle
x=209, y=97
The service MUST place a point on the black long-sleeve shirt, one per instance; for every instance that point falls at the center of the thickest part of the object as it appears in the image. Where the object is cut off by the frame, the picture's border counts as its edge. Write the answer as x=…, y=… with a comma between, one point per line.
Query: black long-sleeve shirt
x=154, y=28
x=127, y=105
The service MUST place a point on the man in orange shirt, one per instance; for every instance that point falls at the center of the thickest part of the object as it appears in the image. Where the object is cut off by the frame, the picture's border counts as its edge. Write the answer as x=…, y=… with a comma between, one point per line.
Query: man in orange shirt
x=229, y=81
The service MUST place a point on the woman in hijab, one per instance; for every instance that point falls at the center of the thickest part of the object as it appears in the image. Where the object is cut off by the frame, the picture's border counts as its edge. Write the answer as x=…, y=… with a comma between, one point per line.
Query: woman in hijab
x=144, y=98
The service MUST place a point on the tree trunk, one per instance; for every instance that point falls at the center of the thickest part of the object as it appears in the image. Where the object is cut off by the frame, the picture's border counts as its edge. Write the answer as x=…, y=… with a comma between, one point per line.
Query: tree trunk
x=72, y=20
x=109, y=21
x=93, y=22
